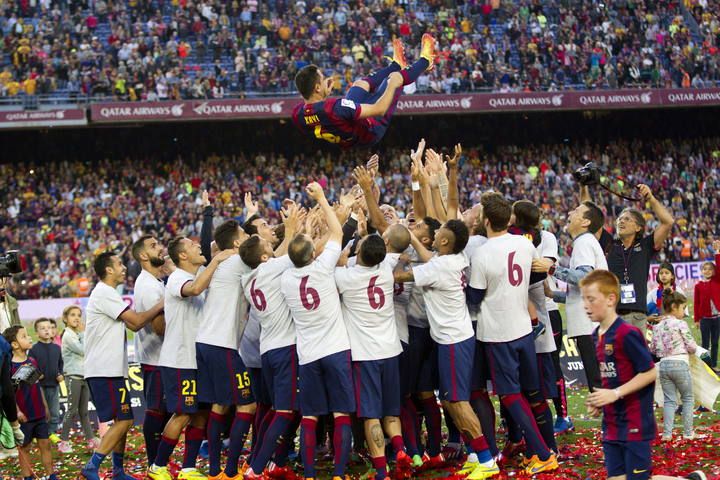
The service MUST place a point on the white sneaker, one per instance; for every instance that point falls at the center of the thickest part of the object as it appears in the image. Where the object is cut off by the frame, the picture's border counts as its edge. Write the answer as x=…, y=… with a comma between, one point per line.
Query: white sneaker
x=8, y=453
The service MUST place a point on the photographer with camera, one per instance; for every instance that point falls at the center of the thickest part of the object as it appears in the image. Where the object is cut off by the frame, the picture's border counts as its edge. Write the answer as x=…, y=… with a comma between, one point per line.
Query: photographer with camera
x=9, y=315
x=630, y=253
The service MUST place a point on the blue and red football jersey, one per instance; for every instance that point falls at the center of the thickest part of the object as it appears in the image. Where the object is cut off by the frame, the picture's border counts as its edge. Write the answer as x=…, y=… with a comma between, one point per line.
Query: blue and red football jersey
x=334, y=120
x=29, y=397
x=622, y=354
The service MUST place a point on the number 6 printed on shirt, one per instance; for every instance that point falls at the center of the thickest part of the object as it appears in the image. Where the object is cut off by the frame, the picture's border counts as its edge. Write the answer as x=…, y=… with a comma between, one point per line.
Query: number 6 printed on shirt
x=314, y=301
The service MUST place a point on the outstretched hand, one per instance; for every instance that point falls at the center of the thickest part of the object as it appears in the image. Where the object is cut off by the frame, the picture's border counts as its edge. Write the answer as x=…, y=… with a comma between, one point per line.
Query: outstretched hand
x=252, y=207
x=452, y=162
x=315, y=191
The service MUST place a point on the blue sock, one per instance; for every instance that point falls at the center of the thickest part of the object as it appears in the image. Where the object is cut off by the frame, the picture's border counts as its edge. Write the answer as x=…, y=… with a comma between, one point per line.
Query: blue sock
x=342, y=442
x=117, y=461
x=411, y=73
x=274, y=433
x=95, y=461
x=238, y=434
x=216, y=425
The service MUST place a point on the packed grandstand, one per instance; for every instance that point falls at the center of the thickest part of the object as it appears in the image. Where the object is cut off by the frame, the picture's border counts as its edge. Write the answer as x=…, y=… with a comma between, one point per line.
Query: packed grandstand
x=156, y=50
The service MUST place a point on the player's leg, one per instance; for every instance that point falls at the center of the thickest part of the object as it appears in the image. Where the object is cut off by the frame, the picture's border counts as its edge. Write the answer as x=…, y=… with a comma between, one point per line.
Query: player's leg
x=427, y=384
x=562, y=423
x=505, y=366
x=313, y=404
x=180, y=388
x=638, y=460
x=25, y=465
x=537, y=398
x=341, y=402
x=279, y=367
x=194, y=436
x=155, y=413
x=586, y=347
x=112, y=402
x=426, y=61
x=480, y=399
x=118, y=458
x=455, y=377
x=245, y=411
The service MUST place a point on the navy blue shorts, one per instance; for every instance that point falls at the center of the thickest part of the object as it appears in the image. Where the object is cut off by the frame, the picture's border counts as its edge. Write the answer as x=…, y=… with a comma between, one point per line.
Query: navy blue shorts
x=546, y=370
x=222, y=376
x=35, y=429
x=378, y=125
x=111, y=398
x=280, y=377
x=513, y=365
x=422, y=355
x=153, y=389
x=455, y=367
x=259, y=387
x=180, y=386
x=480, y=370
x=326, y=385
x=377, y=388
x=633, y=459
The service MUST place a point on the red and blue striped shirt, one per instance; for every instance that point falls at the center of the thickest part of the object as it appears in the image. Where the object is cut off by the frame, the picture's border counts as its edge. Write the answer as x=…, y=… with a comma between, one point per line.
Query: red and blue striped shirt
x=622, y=354
x=334, y=120
x=29, y=397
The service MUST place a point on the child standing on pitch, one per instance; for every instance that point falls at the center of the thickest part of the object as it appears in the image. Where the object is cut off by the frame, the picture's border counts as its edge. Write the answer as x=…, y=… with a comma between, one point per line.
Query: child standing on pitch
x=628, y=378
x=672, y=342
x=32, y=408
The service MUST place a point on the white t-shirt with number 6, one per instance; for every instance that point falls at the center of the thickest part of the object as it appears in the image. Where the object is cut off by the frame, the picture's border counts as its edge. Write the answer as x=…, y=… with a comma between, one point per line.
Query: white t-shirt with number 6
x=312, y=296
x=502, y=267
x=368, y=309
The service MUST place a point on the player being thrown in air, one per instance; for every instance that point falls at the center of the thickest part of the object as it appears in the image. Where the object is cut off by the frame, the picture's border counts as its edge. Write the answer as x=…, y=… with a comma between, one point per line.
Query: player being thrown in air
x=361, y=117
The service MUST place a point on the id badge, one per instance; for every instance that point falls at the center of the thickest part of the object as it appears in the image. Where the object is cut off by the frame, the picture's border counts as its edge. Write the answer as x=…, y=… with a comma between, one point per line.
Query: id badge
x=627, y=293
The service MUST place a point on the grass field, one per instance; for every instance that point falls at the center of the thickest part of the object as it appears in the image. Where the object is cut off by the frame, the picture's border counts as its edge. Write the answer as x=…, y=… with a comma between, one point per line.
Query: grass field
x=581, y=451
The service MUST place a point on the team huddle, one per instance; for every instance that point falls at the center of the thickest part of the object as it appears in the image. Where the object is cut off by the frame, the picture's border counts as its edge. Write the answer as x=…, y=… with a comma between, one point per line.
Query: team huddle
x=347, y=316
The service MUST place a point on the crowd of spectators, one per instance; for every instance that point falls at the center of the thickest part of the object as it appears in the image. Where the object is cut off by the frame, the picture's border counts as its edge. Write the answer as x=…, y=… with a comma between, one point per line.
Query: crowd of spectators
x=62, y=213
x=160, y=49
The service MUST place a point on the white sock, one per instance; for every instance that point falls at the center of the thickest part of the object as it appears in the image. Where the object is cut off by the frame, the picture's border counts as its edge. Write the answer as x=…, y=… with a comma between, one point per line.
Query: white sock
x=472, y=458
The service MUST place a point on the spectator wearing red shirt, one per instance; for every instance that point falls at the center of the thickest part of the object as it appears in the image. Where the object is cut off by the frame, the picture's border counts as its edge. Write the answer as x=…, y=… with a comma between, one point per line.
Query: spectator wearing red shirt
x=707, y=306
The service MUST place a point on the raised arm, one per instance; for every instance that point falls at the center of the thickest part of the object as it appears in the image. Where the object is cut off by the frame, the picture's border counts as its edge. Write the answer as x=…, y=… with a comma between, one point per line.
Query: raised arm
x=662, y=232
x=453, y=197
x=363, y=178
x=335, y=232
x=206, y=232
x=380, y=108
x=292, y=218
x=201, y=282
x=416, y=163
x=423, y=253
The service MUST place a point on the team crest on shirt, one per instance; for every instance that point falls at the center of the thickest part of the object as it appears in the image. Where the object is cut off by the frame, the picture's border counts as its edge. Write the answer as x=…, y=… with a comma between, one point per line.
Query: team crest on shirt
x=609, y=350
x=125, y=408
x=245, y=392
x=189, y=401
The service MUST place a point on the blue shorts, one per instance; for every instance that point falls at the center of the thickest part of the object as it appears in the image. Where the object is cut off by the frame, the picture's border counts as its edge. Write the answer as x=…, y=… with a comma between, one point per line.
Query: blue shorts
x=35, y=429
x=480, y=370
x=259, y=388
x=422, y=355
x=153, y=388
x=326, y=385
x=111, y=398
x=546, y=370
x=377, y=388
x=280, y=377
x=378, y=125
x=222, y=377
x=455, y=367
x=633, y=459
x=513, y=365
x=180, y=386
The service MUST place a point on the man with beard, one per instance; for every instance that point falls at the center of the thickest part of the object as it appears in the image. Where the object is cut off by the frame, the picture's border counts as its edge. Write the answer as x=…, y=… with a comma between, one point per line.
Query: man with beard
x=149, y=290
